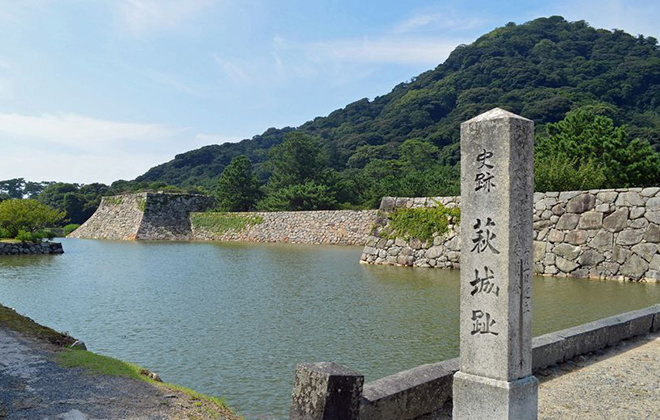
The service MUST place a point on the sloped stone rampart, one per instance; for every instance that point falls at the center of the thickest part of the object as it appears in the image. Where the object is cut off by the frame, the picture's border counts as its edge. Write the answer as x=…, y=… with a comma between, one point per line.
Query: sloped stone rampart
x=143, y=216
x=331, y=227
x=600, y=234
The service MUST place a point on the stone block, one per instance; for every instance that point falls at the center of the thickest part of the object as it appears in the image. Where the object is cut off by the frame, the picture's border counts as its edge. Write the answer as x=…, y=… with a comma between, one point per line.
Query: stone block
x=591, y=258
x=592, y=336
x=652, y=233
x=607, y=196
x=637, y=212
x=591, y=220
x=603, y=208
x=409, y=394
x=565, y=265
x=634, y=267
x=629, y=199
x=639, y=224
x=581, y=203
x=568, y=221
x=646, y=250
x=653, y=204
x=638, y=322
x=649, y=192
x=387, y=203
x=539, y=250
x=492, y=399
x=326, y=391
x=602, y=241
x=630, y=237
x=547, y=350
x=577, y=237
x=566, y=251
x=652, y=216
x=557, y=236
x=616, y=221
x=558, y=209
x=567, y=195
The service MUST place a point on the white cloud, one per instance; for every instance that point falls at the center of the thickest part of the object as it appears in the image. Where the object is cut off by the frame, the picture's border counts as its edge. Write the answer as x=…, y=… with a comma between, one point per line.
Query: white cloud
x=141, y=16
x=438, y=21
x=80, y=131
x=236, y=72
x=410, y=50
x=76, y=148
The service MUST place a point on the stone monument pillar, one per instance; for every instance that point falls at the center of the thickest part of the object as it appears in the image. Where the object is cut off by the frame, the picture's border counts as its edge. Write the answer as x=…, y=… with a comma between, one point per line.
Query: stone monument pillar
x=495, y=379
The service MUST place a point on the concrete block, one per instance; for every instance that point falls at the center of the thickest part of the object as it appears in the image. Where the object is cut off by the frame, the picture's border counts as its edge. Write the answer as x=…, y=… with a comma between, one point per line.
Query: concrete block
x=547, y=350
x=326, y=391
x=495, y=399
x=409, y=394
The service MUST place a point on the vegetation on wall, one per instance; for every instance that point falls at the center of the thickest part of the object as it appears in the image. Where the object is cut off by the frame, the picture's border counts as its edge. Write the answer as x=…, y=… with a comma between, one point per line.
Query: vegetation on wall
x=220, y=222
x=423, y=223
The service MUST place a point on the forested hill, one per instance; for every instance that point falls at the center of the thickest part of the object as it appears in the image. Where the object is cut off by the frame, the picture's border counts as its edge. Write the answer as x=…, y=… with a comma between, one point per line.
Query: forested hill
x=541, y=70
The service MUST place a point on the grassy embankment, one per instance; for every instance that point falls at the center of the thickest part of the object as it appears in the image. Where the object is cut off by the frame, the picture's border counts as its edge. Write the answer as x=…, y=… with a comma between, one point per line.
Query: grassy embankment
x=103, y=365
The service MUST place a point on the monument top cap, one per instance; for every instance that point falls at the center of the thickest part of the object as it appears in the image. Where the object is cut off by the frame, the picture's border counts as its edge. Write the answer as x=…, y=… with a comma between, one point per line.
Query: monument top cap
x=495, y=114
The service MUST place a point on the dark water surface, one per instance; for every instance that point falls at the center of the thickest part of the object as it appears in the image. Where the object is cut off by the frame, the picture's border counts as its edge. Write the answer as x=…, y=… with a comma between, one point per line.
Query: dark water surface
x=233, y=320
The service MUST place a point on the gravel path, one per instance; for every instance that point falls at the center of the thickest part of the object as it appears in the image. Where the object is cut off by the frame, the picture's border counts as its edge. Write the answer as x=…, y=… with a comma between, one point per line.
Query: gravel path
x=33, y=386
x=622, y=382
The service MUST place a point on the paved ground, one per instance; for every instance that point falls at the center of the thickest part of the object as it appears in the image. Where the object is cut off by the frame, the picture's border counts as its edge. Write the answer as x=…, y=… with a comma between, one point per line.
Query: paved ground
x=33, y=386
x=622, y=382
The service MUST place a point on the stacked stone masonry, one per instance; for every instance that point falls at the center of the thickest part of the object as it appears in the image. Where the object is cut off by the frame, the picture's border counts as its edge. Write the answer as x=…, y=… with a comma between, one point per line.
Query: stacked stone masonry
x=331, y=227
x=157, y=216
x=600, y=234
x=143, y=216
x=28, y=248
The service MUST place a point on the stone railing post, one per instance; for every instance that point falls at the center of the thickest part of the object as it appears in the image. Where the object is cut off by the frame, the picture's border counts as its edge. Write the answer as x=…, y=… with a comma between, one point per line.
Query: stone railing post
x=326, y=391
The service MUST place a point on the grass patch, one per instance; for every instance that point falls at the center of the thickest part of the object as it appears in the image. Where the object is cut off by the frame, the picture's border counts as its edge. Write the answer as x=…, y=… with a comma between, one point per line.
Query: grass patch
x=97, y=364
x=9, y=240
x=113, y=200
x=12, y=320
x=221, y=222
x=141, y=203
x=423, y=223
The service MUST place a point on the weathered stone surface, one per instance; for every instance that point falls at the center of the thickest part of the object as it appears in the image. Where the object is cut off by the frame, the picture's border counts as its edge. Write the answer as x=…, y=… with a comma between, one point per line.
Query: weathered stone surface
x=581, y=203
x=558, y=209
x=650, y=191
x=637, y=212
x=607, y=196
x=603, y=208
x=568, y=221
x=565, y=265
x=506, y=211
x=591, y=258
x=629, y=199
x=652, y=233
x=567, y=195
x=634, y=267
x=641, y=223
x=434, y=251
x=629, y=237
x=326, y=391
x=653, y=216
x=26, y=248
x=602, y=241
x=555, y=236
x=591, y=220
x=567, y=251
x=616, y=221
x=577, y=237
x=620, y=254
x=653, y=204
x=646, y=251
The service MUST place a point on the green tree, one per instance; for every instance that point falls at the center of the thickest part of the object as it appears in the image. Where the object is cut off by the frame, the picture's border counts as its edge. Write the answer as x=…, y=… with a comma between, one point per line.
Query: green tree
x=592, y=142
x=14, y=188
x=238, y=188
x=297, y=160
x=307, y=196
x=26, y=215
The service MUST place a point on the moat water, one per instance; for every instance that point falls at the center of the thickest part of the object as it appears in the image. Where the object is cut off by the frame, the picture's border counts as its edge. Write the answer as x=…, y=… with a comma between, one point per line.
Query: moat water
x=232, y=320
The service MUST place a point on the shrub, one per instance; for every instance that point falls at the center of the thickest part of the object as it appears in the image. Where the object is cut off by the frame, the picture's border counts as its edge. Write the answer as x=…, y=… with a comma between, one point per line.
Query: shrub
x=422, y=223
x=27, y=215
x=70, y=228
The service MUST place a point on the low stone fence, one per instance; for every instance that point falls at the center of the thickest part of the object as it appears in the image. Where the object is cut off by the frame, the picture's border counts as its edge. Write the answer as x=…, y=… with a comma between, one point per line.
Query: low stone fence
x=424, y=391
x=334, y=227
x=28, y=248
x=601, y=234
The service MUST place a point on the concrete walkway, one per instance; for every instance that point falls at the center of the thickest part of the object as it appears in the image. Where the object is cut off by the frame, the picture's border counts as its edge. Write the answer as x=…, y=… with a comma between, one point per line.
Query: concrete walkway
x=33, y=386
x=621, y=382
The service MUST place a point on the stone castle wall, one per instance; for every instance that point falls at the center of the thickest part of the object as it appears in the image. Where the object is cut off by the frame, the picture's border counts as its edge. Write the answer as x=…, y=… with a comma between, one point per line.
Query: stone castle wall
x=28, y=248
x=150, y=216
x=601, y=234
x=143, y=216
x=332, y=227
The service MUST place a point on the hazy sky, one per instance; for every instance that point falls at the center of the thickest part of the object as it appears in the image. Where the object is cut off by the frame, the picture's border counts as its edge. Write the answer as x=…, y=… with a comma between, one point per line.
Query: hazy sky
x=100, y=90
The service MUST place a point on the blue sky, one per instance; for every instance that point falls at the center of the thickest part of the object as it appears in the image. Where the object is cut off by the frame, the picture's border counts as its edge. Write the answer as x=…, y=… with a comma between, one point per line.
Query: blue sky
x=100, y=90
